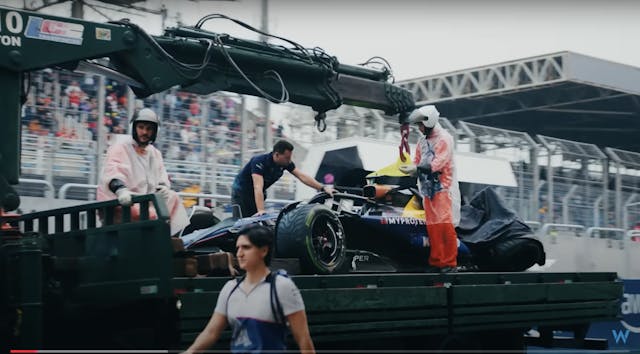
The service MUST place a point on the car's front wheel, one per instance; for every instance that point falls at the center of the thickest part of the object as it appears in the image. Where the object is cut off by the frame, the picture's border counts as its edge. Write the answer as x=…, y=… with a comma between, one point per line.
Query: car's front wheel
x=313, y=234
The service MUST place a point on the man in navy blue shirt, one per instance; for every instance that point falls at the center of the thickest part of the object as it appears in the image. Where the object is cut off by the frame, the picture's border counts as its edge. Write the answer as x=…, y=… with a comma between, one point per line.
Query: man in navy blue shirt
x=250, y=186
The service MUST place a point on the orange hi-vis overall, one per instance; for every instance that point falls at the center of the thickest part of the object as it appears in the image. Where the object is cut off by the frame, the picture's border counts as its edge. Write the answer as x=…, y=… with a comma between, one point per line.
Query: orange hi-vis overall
x=442, y=211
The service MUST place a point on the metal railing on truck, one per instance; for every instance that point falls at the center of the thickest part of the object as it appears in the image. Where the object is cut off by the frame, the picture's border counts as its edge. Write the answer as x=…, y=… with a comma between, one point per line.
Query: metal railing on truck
x=109, y=243
x=63, y=274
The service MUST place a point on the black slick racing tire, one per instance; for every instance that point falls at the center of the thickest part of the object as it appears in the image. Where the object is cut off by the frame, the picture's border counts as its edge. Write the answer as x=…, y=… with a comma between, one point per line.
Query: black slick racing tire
x=313, y=234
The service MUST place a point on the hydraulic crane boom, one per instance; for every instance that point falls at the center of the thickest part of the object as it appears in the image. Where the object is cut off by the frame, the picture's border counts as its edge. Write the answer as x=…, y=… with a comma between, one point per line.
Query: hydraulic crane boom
x=197, y=60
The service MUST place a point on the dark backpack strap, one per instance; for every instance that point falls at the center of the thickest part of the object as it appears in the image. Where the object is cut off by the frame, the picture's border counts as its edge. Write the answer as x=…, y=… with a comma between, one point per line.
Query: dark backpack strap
x=276, y=306
x=238, y=282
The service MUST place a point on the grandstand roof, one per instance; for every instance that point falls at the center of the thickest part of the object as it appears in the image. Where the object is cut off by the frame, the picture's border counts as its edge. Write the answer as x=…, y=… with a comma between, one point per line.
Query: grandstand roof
x=564, y=95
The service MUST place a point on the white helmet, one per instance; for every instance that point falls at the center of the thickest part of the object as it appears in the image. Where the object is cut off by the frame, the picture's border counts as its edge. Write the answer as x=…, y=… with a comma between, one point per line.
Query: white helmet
x=428, y=115
x=145, y=115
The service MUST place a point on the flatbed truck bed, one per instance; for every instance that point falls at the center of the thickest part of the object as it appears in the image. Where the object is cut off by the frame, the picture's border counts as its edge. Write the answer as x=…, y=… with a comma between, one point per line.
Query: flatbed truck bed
x=68, y=284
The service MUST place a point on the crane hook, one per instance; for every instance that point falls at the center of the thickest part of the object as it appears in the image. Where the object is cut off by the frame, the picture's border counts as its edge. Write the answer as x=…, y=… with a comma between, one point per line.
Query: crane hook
x=404, y=141
x=321, y=123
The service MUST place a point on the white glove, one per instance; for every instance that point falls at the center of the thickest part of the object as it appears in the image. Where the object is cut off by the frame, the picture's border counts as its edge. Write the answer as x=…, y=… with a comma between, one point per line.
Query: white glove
x=163, y=191
x=124, y=196
x=409, y=169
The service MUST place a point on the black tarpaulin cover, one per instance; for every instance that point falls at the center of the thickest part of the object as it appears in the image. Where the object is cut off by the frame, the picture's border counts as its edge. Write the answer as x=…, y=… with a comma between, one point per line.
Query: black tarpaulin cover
x=487, y=219
x=496, y=236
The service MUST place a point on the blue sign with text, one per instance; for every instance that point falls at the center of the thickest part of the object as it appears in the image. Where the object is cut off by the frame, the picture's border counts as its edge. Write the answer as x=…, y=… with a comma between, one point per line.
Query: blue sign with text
x=624, y=334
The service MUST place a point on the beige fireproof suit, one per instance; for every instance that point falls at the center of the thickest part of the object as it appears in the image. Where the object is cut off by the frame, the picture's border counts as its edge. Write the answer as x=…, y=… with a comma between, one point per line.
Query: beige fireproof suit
x=142, y=175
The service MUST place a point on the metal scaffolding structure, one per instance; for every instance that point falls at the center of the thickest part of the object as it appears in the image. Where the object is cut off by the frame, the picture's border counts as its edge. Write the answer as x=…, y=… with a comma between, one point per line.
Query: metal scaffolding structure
x=565, y=95
x=491, y=79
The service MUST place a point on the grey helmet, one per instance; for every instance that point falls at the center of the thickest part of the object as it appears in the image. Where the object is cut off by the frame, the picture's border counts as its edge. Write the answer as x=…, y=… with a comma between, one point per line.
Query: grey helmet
x=145, y=115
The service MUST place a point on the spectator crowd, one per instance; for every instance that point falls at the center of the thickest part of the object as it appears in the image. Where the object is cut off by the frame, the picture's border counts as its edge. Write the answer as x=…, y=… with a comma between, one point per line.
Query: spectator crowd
x=195, y=129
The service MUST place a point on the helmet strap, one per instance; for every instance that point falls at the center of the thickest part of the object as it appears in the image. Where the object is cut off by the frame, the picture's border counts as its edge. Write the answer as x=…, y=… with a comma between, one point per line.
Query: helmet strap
x=427, y=132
